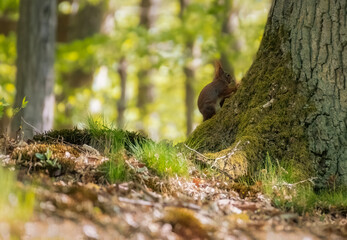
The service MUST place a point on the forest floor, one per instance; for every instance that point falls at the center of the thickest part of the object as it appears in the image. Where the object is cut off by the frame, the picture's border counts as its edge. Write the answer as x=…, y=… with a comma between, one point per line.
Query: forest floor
x=80, y=204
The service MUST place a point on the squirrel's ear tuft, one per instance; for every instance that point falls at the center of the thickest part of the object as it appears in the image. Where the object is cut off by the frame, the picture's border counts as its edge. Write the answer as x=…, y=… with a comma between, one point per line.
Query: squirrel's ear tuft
x=218, y=69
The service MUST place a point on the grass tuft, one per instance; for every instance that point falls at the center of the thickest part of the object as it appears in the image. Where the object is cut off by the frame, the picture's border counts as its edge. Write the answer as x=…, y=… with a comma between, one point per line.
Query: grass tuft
x=289, y=193
x=105, y=137
x=162, y=157
x=115, y=169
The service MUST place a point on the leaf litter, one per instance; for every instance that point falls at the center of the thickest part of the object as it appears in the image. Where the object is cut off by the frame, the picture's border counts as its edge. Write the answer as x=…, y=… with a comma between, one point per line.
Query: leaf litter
x=75, y=201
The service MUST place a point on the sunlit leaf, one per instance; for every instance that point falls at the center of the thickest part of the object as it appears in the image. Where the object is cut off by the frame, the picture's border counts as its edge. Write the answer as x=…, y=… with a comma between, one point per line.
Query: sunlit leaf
x=24, y=102
x=40, y=156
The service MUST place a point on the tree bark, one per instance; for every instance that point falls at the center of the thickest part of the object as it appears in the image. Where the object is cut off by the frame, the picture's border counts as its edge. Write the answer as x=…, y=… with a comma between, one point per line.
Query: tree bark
x=189, y=97
x=145, y=86
x=87, y=21
x=192, y=53
x=292, y=103
x=35, y=72
x=226, y=31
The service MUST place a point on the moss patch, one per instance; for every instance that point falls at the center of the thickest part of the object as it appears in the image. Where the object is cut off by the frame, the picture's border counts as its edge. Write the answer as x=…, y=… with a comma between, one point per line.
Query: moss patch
x=185, y=223
x=98, y=137
x=62, y=155
x=267, y=112
x=230, y=161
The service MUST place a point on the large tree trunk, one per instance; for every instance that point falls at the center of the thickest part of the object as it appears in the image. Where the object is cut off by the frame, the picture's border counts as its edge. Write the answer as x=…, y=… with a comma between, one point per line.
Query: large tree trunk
x=35, y=73
x=293, y=101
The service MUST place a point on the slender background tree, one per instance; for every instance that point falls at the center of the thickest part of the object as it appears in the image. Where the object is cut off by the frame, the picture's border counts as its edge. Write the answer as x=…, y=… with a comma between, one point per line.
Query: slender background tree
x=121, y=105
x=146, y=88
x=93, y=36
x=35, y=73
x=191, y=54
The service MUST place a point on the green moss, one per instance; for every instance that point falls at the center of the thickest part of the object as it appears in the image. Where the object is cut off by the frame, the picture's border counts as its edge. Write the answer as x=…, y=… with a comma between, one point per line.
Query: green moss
x=185, y=223
x=29, y=156
x=234, y=163
x=102, y=137
x=73, y=136
x=265, y=114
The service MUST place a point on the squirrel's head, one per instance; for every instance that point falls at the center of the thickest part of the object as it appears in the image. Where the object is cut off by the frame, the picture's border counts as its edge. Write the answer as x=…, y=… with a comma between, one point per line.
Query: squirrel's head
x=220, y=75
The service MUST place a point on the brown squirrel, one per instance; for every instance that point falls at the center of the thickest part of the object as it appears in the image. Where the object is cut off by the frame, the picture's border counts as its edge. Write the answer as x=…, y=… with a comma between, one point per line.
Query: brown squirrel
x=212, y=96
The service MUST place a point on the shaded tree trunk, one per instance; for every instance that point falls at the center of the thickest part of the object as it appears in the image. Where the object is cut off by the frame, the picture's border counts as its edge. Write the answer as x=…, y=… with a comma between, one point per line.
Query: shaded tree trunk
x=292, y=102
x=189, y=71
x=7, y=25
x=226, y=31
x=122, y=71
x=145, y=86
x=189, y=97
x=35, y=72
x=85, y=21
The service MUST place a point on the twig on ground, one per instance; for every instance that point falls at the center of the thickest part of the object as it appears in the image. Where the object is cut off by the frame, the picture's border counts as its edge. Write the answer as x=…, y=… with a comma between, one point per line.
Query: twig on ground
x=229, y=154
x=290, y=185
x=200, y=154
x=151, y=195
x=34, y=128
x=136, y=201
x=306, y=180
x=152, y=204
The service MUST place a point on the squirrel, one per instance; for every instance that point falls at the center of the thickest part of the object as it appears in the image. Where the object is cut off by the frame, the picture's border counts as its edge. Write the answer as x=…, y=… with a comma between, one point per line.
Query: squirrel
x=213, y=95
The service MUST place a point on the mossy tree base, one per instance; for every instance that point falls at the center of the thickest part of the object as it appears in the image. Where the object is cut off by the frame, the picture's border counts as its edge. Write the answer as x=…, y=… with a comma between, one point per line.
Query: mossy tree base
x=292, y=102
x=265, y=115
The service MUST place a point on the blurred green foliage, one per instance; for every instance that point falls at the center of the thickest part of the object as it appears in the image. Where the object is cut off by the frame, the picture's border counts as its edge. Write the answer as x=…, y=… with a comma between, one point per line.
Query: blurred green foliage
x=16, y=202
x=161, y=49
x=9, y=8
x=7, y=67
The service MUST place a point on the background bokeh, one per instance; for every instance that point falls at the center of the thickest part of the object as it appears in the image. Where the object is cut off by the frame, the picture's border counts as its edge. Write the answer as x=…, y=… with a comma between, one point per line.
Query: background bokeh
x=156, y=44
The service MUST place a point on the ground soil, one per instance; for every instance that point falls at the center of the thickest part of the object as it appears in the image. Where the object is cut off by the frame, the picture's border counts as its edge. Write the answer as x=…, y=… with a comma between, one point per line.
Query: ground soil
x=81, y=204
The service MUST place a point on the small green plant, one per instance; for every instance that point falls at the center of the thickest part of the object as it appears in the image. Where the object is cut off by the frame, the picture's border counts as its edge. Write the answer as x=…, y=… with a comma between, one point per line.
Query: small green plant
x=16, y=204
x=16, y=110
x=194, y=143
x=115, y=169
x=162, y=157
x=3, y=105
x=333, y=200
x=288, y=192
x=110, y=141
x=46, y=160
x=105, y=138
x=276, y=183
